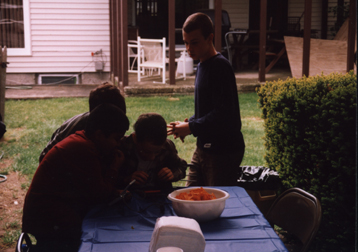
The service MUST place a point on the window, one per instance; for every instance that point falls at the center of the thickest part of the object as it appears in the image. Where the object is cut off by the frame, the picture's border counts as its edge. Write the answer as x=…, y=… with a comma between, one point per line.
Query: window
x=52, y=79
x=14, y=26
x=147, y=7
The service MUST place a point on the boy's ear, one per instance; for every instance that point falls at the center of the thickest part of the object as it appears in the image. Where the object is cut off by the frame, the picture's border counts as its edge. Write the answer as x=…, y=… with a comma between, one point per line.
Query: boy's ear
x=211, y=37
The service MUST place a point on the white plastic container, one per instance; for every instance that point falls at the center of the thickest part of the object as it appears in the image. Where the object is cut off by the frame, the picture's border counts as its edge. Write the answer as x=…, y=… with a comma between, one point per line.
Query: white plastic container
x=189, y=64
x=174, y=231
x=170, y=249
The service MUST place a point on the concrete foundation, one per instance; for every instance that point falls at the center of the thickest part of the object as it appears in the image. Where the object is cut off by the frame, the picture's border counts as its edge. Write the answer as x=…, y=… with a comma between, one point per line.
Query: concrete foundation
x=25, y=79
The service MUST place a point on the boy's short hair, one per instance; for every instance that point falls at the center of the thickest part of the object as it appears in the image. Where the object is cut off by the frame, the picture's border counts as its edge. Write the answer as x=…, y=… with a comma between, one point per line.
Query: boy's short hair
x=199, y=21
x=151, y=127
x=108, y=118
x=106, y=93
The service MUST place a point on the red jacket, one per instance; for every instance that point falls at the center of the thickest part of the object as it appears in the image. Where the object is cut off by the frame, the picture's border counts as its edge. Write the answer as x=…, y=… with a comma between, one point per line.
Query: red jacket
x=68, y=181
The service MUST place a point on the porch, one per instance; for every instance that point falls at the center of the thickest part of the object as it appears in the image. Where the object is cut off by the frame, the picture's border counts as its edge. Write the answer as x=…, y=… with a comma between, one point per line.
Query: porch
x=247, y=81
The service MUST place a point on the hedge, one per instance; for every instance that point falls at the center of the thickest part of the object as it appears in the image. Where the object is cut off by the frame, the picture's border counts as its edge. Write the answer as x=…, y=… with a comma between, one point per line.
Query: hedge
x=310, y=139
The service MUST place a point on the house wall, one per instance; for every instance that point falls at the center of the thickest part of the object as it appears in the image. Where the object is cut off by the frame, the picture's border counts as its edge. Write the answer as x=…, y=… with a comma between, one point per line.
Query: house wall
x=64, y=33
x=296, y=8
x=331, y=17
x=238, y=12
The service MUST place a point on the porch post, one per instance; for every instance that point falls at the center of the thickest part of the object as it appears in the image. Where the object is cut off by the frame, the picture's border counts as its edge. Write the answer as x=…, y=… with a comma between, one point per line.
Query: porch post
x=114, y=39
x=351, y=34
x=218, y=9
x=3, y=59
x=262, y=49
x=171, y=43
x=324, y=15
x=307, y=38
x=118, y=46
x=111, y=37
x=124, y=43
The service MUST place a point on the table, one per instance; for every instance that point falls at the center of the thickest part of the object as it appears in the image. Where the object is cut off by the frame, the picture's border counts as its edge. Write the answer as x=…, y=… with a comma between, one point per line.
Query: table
x=237, y=46
x=241, y=227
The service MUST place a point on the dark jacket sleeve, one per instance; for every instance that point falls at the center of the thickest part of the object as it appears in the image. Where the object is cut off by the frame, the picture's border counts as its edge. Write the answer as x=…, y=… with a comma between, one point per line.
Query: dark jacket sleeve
x=221, y=91
x=69, y=127
x=176, y=164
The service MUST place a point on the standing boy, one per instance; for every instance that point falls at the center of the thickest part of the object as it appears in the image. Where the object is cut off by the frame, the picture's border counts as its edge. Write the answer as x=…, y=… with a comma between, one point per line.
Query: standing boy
x=216, y=122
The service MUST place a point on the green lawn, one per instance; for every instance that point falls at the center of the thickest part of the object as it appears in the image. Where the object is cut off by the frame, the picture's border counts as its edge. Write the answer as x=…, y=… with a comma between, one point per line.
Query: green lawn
x=30, y=124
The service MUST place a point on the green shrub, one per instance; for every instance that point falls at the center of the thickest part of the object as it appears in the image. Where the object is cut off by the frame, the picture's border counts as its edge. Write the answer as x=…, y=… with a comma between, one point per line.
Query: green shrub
x=310, y=139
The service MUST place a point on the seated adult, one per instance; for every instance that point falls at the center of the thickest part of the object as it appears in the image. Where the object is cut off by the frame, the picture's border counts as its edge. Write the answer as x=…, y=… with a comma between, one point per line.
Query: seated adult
x=150, y=158
x=71, y=179
x=104, y=93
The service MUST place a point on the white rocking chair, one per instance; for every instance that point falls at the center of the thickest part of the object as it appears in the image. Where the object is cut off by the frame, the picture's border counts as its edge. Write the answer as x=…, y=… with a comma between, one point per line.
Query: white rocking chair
x=151, y=60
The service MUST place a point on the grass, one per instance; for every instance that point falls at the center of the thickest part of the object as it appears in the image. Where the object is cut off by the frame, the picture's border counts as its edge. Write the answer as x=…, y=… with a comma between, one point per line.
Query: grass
x=30, y=124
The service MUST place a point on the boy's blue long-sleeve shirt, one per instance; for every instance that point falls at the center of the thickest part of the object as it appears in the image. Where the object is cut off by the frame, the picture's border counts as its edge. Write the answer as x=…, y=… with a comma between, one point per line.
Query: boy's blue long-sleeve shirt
x=216, y=122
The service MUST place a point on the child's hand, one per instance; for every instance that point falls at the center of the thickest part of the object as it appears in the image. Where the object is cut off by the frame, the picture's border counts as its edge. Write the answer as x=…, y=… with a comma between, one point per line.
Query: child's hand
x=141, y=177
x=165, y=174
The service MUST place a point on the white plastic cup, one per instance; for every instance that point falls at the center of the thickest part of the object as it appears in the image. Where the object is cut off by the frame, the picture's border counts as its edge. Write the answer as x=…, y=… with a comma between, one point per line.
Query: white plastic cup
x=170, y=249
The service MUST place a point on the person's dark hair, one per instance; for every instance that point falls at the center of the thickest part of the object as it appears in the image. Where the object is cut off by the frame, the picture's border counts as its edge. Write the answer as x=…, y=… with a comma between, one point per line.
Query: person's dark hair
x=199, y=21
x=151, y=127
x=108, y=118
x=106, y=93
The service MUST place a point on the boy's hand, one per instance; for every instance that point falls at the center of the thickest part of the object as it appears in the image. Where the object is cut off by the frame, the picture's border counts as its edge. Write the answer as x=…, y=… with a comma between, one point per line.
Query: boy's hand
x=179, y=129
x=141, y=177
x=165, y=174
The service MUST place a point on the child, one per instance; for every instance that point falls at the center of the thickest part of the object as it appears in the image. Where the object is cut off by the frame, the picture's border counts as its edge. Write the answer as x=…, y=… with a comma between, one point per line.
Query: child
x=72, y=178
x=104, y=93
x=150, y=158
x=216, y=122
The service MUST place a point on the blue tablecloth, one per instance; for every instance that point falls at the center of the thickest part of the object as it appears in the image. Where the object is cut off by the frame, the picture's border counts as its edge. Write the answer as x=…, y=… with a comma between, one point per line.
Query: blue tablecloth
x=241, y=226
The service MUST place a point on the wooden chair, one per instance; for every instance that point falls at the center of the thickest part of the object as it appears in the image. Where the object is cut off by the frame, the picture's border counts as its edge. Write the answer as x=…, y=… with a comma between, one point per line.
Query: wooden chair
x=297, y=212
x=152, y=59
x=132, y=54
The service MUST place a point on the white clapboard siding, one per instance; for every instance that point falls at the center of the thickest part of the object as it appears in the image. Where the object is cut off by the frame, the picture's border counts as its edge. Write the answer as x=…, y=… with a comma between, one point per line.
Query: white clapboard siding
x=331, y=17
x=296, y=8
x=238, y=12
x=64, y=33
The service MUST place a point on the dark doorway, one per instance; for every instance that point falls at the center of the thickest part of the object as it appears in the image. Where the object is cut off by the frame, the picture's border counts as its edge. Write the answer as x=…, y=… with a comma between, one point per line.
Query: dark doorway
x=277, y=12
x=276, y=16
x=152, y=18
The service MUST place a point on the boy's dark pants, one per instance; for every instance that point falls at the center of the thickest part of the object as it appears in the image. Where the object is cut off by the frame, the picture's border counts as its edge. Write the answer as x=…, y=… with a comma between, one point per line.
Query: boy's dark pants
x=211, y=169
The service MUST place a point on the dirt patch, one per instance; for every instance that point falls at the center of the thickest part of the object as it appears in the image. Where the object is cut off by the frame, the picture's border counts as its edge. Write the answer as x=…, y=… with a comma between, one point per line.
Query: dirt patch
x=253, y=119
x=12, y=195
x=12, y=135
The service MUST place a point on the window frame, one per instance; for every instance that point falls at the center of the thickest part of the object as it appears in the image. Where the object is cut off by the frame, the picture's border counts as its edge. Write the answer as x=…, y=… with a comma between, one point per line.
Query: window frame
x=26, y=51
